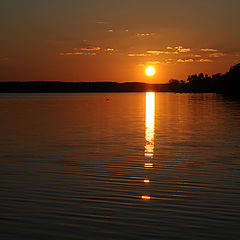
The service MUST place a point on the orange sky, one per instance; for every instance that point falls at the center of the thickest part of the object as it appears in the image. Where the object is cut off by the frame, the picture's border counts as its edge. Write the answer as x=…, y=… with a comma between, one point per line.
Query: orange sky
x=69, y=40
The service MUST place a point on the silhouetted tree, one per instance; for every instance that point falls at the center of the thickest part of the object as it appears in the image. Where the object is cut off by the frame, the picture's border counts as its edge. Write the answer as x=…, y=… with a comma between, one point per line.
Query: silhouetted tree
x=219, y=83
x=231, y=81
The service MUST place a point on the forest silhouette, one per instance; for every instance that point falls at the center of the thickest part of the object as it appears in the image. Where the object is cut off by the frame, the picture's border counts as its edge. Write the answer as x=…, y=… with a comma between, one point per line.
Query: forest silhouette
x=227, y=83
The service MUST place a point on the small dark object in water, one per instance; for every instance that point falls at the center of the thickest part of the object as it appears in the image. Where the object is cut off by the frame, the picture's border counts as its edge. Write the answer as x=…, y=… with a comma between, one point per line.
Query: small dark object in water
x=107, y=99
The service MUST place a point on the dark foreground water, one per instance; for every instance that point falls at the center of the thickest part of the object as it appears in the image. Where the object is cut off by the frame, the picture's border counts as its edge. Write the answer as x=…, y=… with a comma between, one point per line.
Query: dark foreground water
x=140, y=166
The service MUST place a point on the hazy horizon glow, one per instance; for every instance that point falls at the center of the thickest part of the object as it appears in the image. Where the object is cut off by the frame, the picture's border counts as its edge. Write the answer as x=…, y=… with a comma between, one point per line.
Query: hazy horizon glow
x=68, y=40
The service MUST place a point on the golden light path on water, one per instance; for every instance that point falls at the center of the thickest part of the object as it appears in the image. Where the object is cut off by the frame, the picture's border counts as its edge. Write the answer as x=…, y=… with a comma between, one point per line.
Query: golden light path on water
x=149, y=135
x=150, y=124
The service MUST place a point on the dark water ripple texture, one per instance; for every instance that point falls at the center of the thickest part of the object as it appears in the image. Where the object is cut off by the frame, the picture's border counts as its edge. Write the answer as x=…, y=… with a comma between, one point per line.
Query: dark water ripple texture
x=72, y=166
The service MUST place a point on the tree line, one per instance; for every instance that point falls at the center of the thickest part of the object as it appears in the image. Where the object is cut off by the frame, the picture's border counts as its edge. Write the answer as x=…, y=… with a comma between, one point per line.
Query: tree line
x=227, y=83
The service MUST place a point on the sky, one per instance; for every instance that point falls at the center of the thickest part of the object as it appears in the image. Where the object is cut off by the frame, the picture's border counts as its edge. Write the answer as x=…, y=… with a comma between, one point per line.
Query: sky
x=112, y=40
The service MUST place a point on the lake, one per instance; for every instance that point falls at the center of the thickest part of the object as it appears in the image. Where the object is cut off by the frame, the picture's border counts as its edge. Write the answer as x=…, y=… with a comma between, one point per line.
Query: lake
x=136, y=166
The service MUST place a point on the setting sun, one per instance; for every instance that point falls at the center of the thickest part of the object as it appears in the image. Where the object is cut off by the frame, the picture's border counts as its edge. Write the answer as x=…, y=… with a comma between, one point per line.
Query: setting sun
x=150, y=71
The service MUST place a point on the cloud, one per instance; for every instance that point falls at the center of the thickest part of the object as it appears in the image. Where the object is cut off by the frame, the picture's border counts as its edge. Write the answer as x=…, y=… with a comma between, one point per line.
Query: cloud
x=138, y=55
x=156, y=52
x=102, y=22
x=182, y=50
x=217, y=55
x=205, y=60
x=88, y=49
x=145, y=34
x=196, y=55
x=149, y=63
x=168, y=61
x=171, y=50
x=173, y=53
x=87, y=43
x=185, y=60
x=110, y=30
x=208, y=50
x=110, y=50
x=77, y=53
x=153, y=62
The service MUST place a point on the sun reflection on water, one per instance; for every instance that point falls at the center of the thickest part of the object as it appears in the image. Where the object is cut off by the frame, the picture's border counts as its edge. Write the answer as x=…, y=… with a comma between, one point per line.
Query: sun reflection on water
x=149, y=138
x=146, y=197
x=148, y=165
x=150, y=124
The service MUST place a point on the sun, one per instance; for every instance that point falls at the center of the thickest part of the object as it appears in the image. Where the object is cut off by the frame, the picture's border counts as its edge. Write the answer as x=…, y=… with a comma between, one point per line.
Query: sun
x=150, y=71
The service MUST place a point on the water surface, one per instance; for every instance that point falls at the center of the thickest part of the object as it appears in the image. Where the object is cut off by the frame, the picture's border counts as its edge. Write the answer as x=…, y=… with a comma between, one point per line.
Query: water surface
x=140, y=166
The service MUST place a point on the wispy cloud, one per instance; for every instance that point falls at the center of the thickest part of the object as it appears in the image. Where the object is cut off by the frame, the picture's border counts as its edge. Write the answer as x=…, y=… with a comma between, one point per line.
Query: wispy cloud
x=138, y=54
x=170, y=50
x=165, y=61
x=77, y=53
x=202, y=60
x=184, y=50
x=205, y=60
x=181, y=49
x=196, y=55
x=169, y=61
x=145, y=34
x=188, y=55
x=208, y=50
x=88, y=49
x=217, y=55
x=110, y=50
x=157, y=52
x=185, y=60
x=102, y=22
x=153, y=62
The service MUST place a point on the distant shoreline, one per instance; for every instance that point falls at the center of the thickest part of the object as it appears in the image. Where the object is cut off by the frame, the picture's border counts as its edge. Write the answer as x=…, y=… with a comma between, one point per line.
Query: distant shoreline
x=71, y=87
x=227, y=84
x=87, y=87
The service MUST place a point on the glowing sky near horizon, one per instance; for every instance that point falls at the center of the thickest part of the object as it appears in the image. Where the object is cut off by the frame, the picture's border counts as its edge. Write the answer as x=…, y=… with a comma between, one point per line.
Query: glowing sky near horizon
x=92, y=40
